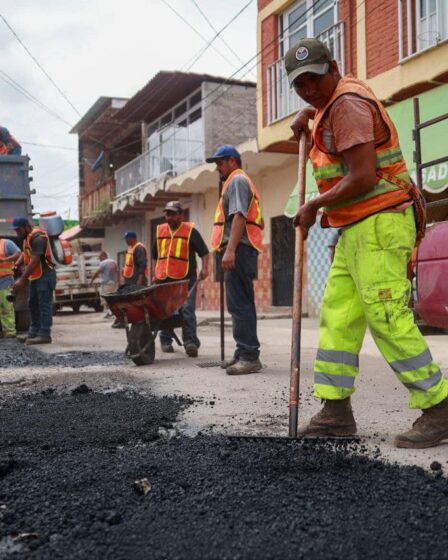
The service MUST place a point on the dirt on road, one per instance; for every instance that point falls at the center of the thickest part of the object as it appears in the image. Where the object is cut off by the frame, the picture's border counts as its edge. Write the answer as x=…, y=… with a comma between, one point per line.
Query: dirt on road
x=101, y=472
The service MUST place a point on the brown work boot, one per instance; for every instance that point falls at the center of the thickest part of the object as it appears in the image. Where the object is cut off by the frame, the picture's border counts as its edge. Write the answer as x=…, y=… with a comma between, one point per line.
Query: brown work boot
x=243, y=368
x=430, y=429
x=334, y=420
x=38, y=340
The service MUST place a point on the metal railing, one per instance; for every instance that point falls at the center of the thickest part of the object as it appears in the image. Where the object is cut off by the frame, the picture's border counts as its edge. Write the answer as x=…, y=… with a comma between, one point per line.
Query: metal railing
x=282, y=99
x=158, y=163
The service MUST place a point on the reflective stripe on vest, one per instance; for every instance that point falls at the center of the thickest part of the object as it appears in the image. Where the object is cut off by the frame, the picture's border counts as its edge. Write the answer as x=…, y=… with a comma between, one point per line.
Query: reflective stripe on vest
x=128, y=268
x=5, y=267
x=254, y=220
x=173, y=251
x=330, y=168
x=27, y=251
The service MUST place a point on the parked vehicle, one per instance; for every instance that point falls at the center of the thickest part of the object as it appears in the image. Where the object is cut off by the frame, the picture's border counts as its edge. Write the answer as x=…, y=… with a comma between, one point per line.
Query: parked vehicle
x=430, y=282
x=73, y=287
x=15, y=195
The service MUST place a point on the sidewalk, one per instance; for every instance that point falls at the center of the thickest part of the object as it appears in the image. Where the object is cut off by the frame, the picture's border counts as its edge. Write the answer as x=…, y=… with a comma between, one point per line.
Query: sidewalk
x=258, y=403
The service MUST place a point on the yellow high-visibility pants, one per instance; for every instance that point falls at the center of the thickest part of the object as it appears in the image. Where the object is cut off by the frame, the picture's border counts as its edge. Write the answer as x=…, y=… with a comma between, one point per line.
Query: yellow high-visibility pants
x=368, y=287
x=7, y=315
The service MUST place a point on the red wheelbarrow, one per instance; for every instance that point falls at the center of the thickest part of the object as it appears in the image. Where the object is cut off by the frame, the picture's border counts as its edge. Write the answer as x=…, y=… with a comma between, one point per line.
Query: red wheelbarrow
x=147, y=311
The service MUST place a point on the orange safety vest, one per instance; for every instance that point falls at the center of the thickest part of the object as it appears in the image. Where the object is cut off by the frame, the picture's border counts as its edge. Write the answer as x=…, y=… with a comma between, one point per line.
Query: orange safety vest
x=254, y=220
x=38, y=270
x=5, y=267
x=128, y=269
x=173, y=250
x=330, y=168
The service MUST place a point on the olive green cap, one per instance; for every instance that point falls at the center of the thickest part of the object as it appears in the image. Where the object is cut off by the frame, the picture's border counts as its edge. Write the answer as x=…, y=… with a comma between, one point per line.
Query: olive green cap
x=308, y=55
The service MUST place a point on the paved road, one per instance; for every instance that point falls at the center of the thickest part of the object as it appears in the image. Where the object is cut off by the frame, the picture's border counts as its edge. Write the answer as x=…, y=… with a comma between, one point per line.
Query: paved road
x=249, y=404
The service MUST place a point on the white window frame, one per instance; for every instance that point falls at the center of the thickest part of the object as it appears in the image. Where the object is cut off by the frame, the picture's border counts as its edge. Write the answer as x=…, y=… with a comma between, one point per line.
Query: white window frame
x=310, y=17
x=414, y=33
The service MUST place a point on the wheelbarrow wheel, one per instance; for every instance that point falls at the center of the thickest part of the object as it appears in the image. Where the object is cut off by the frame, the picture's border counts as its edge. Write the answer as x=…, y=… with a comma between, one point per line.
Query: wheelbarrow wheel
x=141, y=348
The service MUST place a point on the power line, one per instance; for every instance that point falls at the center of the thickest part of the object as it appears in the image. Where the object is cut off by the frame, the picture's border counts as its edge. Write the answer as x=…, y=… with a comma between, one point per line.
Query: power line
x=49, y=146
x=198, y=33
x=39, y=65
x=210, y=24
x=15, y=85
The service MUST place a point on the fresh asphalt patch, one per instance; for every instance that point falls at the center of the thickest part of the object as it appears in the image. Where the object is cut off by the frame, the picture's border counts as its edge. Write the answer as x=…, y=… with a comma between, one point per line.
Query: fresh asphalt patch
x=90, y=475
x=16, y=354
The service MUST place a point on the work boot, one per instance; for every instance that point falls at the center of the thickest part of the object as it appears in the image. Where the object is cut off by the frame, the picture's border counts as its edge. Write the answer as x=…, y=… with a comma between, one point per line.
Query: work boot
x=191, y=350
x=25, y=337
x=38, y=340
x=430, y=429
x=167, y=348
x=9, y=335
x=241, y=367
x=335, y=419
x=227, y=363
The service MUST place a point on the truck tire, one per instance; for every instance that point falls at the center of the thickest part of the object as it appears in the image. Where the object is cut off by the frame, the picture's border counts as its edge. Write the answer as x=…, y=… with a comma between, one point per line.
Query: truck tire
x=22, y=321
x=140, y=336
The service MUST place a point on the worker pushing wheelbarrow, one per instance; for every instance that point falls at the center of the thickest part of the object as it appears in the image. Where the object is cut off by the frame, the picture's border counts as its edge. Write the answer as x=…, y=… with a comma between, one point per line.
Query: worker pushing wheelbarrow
x=147, y=311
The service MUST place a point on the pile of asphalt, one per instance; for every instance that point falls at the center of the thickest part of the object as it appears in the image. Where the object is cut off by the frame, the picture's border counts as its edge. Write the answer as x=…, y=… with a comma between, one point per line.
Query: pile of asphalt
x=89, y=475
x=16, y=354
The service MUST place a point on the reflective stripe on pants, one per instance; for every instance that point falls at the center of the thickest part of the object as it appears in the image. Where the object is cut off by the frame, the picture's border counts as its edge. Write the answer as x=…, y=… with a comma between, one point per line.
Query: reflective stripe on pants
x=368, y=286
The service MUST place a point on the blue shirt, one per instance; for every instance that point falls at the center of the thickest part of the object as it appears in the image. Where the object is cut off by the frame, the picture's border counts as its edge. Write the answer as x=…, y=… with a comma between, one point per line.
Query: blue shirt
x=10, y=249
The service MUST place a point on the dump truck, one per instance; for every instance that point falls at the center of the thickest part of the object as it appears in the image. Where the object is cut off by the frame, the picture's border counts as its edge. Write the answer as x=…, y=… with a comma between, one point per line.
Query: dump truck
x=15, y=195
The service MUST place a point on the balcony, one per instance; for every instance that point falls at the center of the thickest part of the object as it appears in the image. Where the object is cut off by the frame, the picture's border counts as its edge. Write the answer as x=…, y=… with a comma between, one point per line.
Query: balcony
x=282, y=99
x=169, y=159
x=97, y=203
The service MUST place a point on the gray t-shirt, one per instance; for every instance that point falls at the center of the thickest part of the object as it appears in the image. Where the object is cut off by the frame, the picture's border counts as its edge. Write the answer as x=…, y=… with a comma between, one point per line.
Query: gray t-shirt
x=108, y=271
x=236, y=200
x=10, y=249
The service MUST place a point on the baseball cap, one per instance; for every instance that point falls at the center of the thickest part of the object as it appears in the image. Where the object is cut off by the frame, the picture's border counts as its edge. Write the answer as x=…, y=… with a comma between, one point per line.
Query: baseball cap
x=223, y=152
x=19, y=223
x=130, y=234
x=308, y=55
x=173, y=206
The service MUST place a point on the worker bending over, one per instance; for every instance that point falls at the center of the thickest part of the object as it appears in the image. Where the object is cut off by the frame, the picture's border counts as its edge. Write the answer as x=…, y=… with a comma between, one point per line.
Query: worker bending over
x=174, y=251
x=40, y=271
x=238, y=239
x=365, y=190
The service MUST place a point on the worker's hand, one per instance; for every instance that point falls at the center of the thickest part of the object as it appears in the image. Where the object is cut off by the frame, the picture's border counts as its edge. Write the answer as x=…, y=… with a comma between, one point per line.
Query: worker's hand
x=306, y=217
x=18, y=284
x=203, y=274
x=300, y=122
x=228, y=260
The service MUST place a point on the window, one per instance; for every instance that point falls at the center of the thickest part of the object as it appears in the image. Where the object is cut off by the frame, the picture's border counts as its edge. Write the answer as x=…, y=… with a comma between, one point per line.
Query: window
x=307, y=18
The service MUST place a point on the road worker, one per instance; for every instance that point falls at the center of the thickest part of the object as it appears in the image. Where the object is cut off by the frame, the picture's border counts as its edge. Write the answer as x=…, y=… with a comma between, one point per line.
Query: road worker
x=174, y=252
x=365, y=190
x=41, y=273
x=238, y=238
x=9, y=146
x=108, y=274
x=9, y=254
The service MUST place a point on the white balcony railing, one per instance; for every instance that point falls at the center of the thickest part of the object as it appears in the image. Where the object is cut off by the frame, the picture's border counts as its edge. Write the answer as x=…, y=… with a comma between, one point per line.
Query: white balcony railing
x=282, y=99
x=158, y=163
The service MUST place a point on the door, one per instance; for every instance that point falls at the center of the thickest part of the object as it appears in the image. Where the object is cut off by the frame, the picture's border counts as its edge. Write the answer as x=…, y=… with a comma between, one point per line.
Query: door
x=282, y=249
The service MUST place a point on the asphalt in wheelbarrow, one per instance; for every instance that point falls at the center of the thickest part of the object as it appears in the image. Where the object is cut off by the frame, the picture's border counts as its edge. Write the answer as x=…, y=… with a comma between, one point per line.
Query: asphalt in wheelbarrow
x=69, y=463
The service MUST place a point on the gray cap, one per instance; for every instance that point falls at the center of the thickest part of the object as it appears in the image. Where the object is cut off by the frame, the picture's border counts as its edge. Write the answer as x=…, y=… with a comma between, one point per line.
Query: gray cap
x=174, y=206
x=308, y=55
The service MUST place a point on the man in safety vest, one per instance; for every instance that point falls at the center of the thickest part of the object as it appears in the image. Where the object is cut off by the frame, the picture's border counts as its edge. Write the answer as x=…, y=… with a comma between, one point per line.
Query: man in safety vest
x=174, y=252
x=9, y=146
x=9, y=254
x=39, y=270
x=365, y=189
x=238, y=238
x=135, y=269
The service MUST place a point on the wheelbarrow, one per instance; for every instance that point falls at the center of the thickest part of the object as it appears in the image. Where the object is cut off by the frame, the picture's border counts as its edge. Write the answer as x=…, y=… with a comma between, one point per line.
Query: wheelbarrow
x=147, y=311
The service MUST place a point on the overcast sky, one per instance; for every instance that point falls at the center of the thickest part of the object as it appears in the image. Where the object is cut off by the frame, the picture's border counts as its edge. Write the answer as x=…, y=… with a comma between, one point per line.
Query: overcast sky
x=100, y=47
